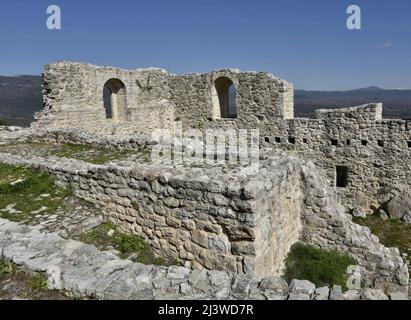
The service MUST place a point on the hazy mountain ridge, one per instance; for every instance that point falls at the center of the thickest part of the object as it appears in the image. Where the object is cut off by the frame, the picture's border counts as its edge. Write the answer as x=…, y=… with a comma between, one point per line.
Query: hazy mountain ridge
x=21, y=97
x=397, y=103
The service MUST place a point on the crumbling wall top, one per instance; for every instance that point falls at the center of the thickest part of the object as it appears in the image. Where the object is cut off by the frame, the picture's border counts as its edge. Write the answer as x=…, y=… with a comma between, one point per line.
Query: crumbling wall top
x=371, y=111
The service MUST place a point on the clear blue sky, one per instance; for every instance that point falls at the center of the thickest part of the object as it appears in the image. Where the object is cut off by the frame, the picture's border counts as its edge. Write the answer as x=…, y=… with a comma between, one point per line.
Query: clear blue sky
x=304, y=42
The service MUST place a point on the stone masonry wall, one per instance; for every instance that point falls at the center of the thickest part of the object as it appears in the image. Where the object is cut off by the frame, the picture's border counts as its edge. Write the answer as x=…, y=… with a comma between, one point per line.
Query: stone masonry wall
x=232, y=222
x=203, y=218
x=73, y=98
x=260, y=97
x=375, y=151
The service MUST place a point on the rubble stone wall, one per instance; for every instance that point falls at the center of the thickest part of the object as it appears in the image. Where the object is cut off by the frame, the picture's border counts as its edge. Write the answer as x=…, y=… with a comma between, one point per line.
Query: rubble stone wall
x=73, y=98
x=375, y=151
x=229, y=221
x=153, y=98
x=235, y=222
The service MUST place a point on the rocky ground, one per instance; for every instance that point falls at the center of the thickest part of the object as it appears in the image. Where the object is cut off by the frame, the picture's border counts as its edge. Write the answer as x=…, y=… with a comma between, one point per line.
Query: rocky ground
x=16, y=284
x=81, y=271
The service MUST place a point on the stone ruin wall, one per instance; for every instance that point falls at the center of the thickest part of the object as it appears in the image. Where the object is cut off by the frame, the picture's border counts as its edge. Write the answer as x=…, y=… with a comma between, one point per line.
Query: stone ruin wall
x=260, y=97
x=375, y=151
x=230, y=222
x=233, y=221
x=73, y=98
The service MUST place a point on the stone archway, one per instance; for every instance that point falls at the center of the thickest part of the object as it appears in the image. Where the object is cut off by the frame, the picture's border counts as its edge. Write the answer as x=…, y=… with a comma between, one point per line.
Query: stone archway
x=115, y=100
x=224, y=98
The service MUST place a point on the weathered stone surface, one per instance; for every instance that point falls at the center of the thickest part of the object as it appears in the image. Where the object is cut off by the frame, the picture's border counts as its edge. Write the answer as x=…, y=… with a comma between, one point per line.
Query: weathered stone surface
x=359, y=213
x=302, y=287
x=336, y=293
x=372, y=294
x=398, y=296
x=298, y=296
x=274, y=288
x=82, y=270
x=300, y=208
x=352, y=295
x=382, y=214
x=399, y=207
x=322, y=293
x=373, y=149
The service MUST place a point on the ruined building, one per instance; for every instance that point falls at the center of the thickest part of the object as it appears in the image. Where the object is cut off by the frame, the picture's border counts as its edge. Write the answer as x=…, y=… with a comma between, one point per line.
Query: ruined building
x=311, y=171
x=365, y=156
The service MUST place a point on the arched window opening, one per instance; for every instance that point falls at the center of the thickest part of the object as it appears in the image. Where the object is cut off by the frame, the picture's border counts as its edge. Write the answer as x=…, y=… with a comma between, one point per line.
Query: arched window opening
x=224, y=99
x=232, y=99
x=114, y=96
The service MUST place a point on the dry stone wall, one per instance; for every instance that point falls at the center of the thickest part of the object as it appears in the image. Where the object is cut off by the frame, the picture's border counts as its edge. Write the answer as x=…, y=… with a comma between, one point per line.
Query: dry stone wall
x=203, y=218
x=73, y=97
x=373, y=151
x=152, y=98
x=235, y=222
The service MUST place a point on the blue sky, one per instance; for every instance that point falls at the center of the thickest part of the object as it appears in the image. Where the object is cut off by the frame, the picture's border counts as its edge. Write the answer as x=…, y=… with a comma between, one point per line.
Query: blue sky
x=304, y=42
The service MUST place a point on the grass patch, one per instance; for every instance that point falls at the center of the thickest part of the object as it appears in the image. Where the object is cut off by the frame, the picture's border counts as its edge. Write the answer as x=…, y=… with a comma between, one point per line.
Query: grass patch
x=6, y=269
x=128, y=245
x=323, y=268
x=18, y=283
x=27, y=194
x=85, y=153
x=391, y=232
x=90, y=154
x=37, y=283
x=9, y=174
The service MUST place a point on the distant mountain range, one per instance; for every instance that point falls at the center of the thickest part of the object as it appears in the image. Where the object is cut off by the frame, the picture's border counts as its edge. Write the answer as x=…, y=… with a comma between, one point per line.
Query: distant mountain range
x=397, y=103
x=21, y=97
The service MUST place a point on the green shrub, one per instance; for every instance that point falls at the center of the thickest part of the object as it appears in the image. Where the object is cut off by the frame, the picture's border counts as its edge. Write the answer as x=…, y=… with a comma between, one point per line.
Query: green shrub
x=323, y=268
x=128, y=243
